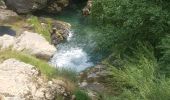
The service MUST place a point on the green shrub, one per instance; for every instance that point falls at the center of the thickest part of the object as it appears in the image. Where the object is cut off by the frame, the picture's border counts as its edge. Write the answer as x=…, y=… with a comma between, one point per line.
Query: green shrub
x=122, y=23
x=81, y=95
x=165, y=59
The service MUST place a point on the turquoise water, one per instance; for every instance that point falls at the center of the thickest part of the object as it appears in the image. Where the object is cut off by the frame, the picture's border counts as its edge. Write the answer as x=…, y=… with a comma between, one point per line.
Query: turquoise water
x=76, y=52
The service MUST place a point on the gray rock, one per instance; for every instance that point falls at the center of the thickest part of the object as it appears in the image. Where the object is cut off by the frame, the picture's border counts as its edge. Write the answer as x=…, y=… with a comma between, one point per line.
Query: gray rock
x=21, y=81
x=28, y=6
x=6, y=15
x=35, y=44
x=25, y=6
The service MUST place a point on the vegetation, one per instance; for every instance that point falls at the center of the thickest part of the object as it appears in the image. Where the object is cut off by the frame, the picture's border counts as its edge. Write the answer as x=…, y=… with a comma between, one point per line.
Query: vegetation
x=43, y=29
x=41, y=65
x=136, y=42
x=81, y=95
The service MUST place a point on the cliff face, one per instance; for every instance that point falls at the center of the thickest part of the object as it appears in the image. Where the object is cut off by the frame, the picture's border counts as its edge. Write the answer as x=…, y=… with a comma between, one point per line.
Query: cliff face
x=28, y=6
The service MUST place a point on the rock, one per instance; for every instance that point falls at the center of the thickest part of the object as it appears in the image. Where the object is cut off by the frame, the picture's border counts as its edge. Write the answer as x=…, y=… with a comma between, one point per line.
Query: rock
x=28, y=6
x=87, y=9
x=25, y=6
x=2, y=4
x=21, y=81
x=6, y=41
x=35, y=44
x=2, y=97
x=57, y=6
x=62, y=31
x=7, y=15
x=28, y=42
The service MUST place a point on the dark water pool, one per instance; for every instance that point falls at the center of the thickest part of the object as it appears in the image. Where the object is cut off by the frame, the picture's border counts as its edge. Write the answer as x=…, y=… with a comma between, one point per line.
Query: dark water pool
x=7, y=30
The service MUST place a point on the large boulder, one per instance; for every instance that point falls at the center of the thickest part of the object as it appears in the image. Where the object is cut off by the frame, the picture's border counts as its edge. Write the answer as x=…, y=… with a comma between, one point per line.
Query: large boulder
x=34, y=44
x=21, y=81
x=27, y=6
x=7, y=15
x=28, y=42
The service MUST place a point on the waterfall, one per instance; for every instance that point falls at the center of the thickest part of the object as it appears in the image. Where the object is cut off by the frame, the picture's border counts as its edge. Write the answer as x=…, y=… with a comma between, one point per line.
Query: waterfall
x=70, y=55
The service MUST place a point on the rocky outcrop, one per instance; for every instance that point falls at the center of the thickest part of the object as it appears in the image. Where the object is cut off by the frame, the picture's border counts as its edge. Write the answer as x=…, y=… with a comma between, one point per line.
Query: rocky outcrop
x=87, y=9
x=28, y=6
x=31, y=43
x=6, y=15
x=61, y=32
x=57, y=6
x=21, y=81
x=34, y=44
x=93, y=80
x=25, y=6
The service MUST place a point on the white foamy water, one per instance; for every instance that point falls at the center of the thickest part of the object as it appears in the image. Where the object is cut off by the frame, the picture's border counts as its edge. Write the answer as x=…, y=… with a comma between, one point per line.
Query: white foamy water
x=74, y=58
x=70, y=35
x=70, y=56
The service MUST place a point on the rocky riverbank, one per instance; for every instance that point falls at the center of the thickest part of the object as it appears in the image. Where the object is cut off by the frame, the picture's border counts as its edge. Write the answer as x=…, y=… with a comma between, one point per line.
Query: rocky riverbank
x=21, y=80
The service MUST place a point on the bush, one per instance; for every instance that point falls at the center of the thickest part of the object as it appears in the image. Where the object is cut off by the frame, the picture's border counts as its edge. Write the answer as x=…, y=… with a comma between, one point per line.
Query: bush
x=81, y=95
x=123, y=23
x=165, y=59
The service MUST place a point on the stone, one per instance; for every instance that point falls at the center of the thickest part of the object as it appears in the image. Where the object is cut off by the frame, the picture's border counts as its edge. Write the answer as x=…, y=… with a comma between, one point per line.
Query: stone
x=34, y=44
x=62, y=31
x=25, y=6
x=6, y=41
x=7, y=15
x=21, y=81
x=29, y=6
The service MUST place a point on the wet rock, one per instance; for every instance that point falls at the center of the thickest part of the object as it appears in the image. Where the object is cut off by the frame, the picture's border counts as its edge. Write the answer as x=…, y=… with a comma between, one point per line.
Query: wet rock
x=25, y=6
x=87, y=9
x=35, y=44
x=21, y=81
x=57, y=6
x=61, y=32
x=28, y=6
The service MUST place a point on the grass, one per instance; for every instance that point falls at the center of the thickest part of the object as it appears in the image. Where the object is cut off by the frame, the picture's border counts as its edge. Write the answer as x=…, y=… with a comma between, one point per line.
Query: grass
x=42, y=65
x=139, y=78
x=44, y=30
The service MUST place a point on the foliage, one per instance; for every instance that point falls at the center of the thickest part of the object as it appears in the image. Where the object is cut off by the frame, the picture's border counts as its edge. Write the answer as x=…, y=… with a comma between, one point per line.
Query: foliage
x=165, y=59
x=140, y=78
x=81, y=95
x=44, y=30
x=123, y=23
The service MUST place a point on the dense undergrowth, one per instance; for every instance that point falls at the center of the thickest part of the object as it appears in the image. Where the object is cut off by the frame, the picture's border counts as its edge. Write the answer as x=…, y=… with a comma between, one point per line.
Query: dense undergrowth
x=137, y=42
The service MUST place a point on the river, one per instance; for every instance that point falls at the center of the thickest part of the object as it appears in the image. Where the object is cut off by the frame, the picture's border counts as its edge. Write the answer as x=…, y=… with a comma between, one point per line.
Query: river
x=75, y=52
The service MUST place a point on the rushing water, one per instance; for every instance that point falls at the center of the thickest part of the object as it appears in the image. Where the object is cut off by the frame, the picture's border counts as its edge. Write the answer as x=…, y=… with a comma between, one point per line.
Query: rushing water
x=74, y=53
